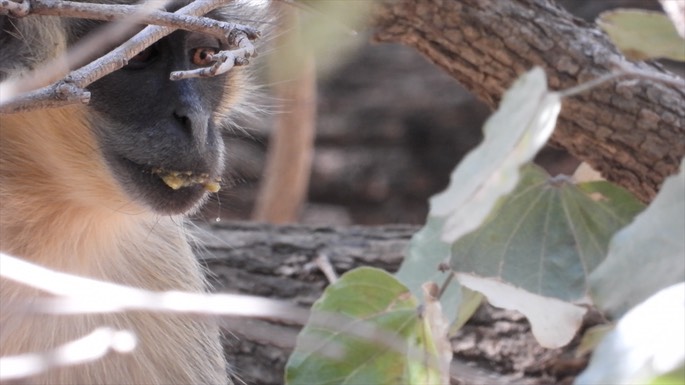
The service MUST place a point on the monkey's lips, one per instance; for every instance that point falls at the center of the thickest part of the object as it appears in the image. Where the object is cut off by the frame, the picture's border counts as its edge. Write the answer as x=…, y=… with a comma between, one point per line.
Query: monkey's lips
x=163, y=189
x=178, y=179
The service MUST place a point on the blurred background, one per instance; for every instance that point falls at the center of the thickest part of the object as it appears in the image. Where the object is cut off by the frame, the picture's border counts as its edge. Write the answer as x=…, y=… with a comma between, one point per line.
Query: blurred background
x=389, y=128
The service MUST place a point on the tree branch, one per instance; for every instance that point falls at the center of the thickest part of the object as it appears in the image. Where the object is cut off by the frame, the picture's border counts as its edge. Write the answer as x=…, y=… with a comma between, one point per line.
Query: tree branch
x=109, y=12
x=281, y=262
x=631, y=130
x=233, y=35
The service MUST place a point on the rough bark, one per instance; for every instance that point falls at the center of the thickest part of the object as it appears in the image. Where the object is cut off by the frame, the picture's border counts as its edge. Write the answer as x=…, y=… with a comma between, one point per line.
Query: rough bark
x=495, y=348
x=633, y=130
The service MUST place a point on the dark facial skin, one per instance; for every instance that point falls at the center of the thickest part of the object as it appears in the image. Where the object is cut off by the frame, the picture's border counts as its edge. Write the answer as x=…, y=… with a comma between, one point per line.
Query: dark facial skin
x=145, y=122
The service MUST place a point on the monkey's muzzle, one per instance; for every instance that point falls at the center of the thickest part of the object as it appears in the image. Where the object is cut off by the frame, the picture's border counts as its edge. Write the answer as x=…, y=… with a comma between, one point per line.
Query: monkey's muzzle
x=178, y=179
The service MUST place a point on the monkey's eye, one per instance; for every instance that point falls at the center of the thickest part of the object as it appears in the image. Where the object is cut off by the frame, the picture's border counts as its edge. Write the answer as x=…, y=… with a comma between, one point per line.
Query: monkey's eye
x=203, y=57
x=143, y=58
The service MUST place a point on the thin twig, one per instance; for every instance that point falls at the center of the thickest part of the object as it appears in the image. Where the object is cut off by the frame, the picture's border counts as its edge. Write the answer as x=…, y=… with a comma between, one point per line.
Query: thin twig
x=659, y=77
x=224, y=61
x=79, y=295
x=109, y=12
x=445, y=284
x=119, y=57
x=15, y=8
x=586, y=86
x=55, y=95
x=81, y=53
x=51, y=95
x=85, y=349
x=624, y=68
x=324, y=264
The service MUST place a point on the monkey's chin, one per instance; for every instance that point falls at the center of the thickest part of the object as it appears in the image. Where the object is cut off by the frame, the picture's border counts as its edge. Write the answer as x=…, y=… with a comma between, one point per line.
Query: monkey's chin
x=165, y=200
x=147, y=186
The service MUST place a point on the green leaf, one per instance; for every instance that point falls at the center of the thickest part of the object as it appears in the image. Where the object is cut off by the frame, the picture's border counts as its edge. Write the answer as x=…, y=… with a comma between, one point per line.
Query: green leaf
x=421, y=264
x=553, y=322
x=540, y=244
x=647, y=255
x=316, y=25
x=646, y=346
x=642, y=35
x=547, y=235
x=677, y=377
x=366, y=329
x=512, y=136
x=592, y=338
x=469, y=303
x=616, y=198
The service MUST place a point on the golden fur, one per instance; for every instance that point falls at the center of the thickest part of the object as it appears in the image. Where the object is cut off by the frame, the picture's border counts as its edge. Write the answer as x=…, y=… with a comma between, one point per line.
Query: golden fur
x=60, y=208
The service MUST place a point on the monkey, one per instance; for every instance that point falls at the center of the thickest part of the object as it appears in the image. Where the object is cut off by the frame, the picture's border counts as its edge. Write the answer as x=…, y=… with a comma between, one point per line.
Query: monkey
x=102, y=191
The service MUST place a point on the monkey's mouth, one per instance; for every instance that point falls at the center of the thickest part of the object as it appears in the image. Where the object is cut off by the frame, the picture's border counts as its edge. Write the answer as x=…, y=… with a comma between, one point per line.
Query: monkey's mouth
x=178, y=179
x=164, y=189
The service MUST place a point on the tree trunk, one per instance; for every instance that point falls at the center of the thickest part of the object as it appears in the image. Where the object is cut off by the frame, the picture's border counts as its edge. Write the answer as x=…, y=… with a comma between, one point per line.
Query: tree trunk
x=283, y=189
x=632, y=130
x=280, y=262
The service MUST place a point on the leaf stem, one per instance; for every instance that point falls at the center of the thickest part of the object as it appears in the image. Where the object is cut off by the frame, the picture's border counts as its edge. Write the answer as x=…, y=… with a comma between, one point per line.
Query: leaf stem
x=445, y=284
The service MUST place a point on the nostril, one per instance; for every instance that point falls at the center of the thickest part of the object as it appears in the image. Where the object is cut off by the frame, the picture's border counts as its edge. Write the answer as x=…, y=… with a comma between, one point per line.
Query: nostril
x=194, y=124
x=186, y=123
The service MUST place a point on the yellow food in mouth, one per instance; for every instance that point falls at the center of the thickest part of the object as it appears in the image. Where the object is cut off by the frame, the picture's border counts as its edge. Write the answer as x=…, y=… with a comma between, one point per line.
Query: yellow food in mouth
x=176, y=179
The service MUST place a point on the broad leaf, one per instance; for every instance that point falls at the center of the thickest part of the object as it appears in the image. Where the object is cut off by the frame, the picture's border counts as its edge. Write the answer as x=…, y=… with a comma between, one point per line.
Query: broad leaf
x=367, y=329
x=646, y=346
x=646, y=256
x=553, y=322
x=537, y=248
x=642, y=35
x=469, y=303
x=616, y=199
x=546, y=236
x=322, y=23
x=512, y=136
x=422, y=262
x=592, y=338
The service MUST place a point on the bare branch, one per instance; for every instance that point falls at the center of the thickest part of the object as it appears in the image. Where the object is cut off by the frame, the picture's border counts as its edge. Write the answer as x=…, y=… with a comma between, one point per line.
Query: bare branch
x=630, y=131
x=79, y=295
x=324, y=264
x=109, y=12
x=623, y=69
x=76, y=56
x=85, y=349
x=55, y=95
x=15, y=8
x=224, y=61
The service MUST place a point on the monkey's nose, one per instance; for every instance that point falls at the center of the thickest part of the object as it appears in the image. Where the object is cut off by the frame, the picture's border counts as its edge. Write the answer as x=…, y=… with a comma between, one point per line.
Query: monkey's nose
x=194, y=124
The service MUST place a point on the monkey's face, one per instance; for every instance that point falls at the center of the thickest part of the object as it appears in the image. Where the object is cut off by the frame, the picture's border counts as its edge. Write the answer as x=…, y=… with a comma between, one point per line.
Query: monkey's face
x=158, y=136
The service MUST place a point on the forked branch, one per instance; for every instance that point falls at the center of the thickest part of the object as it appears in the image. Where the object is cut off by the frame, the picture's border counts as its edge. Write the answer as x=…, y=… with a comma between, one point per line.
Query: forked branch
x=71, y=89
